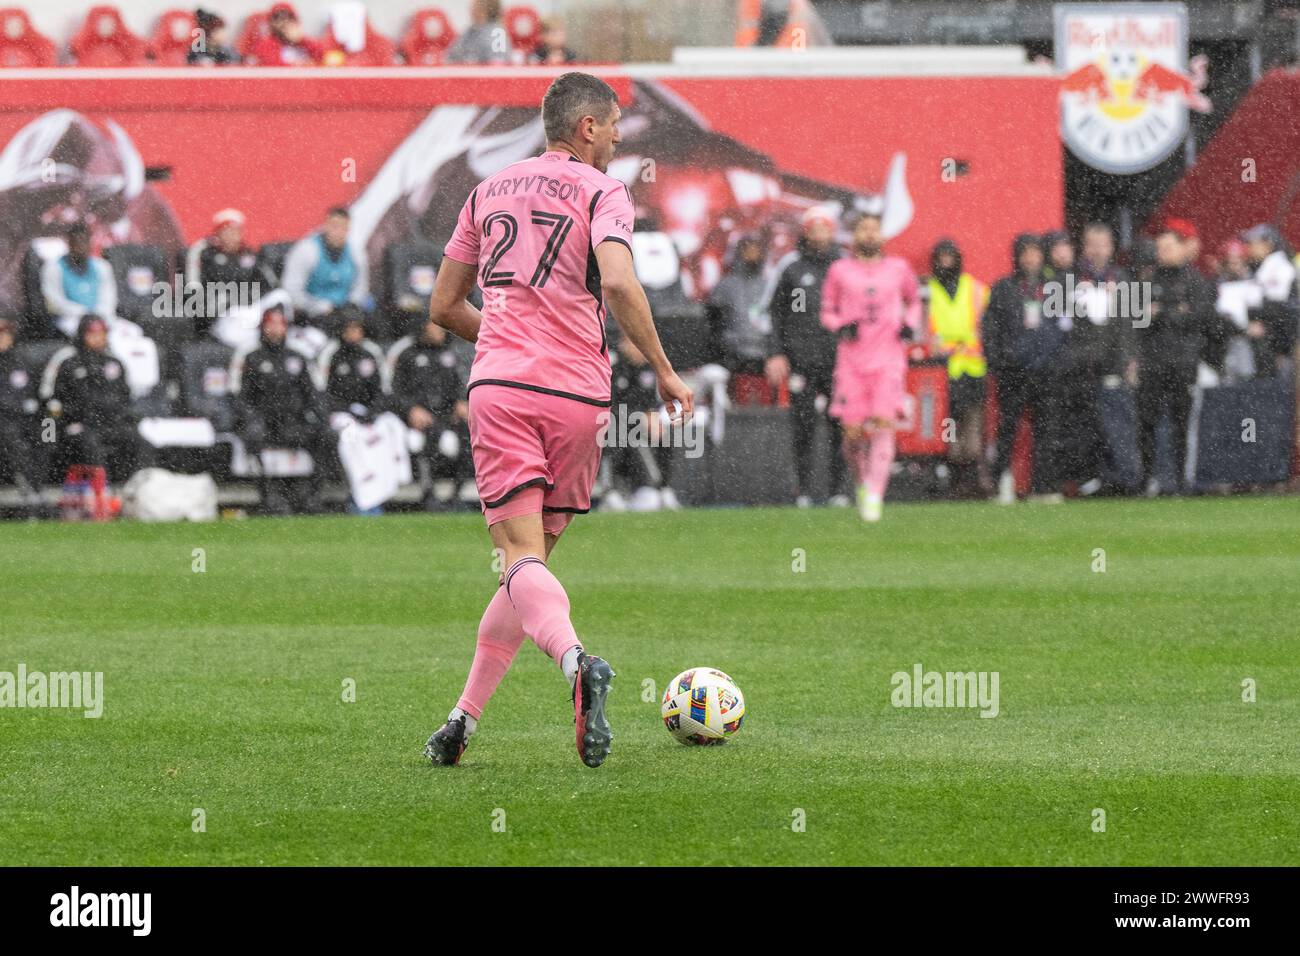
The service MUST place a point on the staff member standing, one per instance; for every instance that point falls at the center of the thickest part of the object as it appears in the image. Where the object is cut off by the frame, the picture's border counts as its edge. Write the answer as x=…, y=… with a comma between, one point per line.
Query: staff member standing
x=1098, y=350
x=803, y=353
x=1183, y=320
x=956, y=305
x=1022, y=346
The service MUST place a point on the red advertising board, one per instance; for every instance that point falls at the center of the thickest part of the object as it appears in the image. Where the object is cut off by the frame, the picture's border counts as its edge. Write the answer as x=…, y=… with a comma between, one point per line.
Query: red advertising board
x=150, y=156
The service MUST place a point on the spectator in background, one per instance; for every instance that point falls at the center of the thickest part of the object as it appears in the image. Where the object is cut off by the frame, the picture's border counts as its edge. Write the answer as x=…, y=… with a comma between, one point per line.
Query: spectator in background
x=78, y=283
x=353, y=374
x=1236, y=292
x=1022, y=347
x=212, y=46
x=735, y=313
x=18, y=406
x=1186, y=232
x=803, y=353
x=1272, y=326
x=643, y=467
x=1099, y=352
x=277, y=405
x=326, y=278
x=427, y=393
x=84, y=387
x=1182, y=321
x=1060, y=253
x=226, y=268
x=486, y=40
x=552, y=51
x=285, y=43
x=956, y=303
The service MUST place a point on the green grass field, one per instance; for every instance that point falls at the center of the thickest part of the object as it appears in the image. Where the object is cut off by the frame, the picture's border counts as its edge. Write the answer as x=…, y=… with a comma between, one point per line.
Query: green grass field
x=1119, y=690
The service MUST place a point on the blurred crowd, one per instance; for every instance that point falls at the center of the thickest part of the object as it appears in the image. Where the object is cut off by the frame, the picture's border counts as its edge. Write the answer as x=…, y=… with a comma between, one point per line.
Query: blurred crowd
x=1066, y=330
x=313, y=351
x=277, y=37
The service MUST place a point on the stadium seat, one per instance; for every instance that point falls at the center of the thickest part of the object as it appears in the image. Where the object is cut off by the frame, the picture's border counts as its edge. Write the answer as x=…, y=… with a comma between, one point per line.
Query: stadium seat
x=378, y=51
x=205, y=383
x=104, y=40
x=524, y=27
x=427, y=38
x=273, y=255
x=409, y=269
x=137, y=268
x=170, y=44
x=20, y=44
x=256, y=26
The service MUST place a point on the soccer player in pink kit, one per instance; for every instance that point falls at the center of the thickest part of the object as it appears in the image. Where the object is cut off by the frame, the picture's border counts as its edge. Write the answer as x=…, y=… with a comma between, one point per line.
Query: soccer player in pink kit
x=871, y=302
x=548, y=241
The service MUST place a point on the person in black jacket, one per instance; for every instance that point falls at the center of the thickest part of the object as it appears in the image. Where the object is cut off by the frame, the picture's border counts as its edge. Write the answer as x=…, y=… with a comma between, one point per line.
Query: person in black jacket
x=18, y=407
x=1099, y=353
x=643, y=463
x=226, y=271
x=429, y=395
x=1022, y=344
x=277, y=405
x=803, y=352
x=1183, y=321
x=352, y=371
x=85, y=389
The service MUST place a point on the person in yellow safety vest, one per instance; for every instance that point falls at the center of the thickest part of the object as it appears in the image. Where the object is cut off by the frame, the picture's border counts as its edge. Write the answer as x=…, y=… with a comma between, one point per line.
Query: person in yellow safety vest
x=956, y=306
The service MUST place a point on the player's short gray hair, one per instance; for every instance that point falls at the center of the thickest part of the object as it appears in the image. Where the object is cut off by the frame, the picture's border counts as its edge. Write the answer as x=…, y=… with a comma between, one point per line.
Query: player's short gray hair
x=571, y=97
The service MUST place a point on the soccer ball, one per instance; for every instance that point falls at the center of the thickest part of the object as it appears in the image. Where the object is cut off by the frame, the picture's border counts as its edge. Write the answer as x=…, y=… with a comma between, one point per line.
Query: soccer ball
x=703, y=706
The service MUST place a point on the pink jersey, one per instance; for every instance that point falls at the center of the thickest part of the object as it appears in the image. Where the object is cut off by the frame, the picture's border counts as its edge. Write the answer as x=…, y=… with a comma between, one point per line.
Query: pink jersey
x=532, y=230
x=881, y=296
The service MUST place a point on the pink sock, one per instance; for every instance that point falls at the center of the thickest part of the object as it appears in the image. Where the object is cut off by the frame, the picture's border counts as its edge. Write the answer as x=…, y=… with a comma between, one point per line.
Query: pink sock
x=542, y=606
x=879, y=460
x=499, y=637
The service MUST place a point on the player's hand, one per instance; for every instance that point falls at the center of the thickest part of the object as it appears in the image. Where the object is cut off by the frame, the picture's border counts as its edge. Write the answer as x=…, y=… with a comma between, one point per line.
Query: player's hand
x=907, y=333
x=777, y=370
x=848, y=333
x=673, y=389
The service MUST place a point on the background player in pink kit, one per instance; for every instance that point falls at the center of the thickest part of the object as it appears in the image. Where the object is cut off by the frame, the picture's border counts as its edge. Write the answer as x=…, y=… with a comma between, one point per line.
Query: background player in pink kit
x=547, y=240
x=871, y=302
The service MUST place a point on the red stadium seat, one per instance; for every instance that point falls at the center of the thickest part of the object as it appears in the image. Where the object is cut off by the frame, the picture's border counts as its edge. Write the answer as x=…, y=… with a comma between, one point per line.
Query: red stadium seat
x=20, y=44
x=378, y=51
x=104, y=40
x=427, y=38
x=524, y=26
x=170, y=44
x=255, y=27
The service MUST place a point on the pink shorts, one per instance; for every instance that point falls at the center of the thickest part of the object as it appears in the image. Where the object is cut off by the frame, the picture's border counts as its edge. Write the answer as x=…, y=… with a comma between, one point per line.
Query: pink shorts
x=876, y=393
x=533, y=452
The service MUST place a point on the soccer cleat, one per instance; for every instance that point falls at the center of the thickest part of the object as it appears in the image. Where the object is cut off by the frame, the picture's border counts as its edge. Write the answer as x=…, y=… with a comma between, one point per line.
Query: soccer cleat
x=870, y=506
x=589, y=693
x=447, y=743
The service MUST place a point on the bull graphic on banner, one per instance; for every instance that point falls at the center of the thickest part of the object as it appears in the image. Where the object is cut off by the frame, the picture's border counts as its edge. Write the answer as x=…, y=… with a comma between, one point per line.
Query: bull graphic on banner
x=1127, y=84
